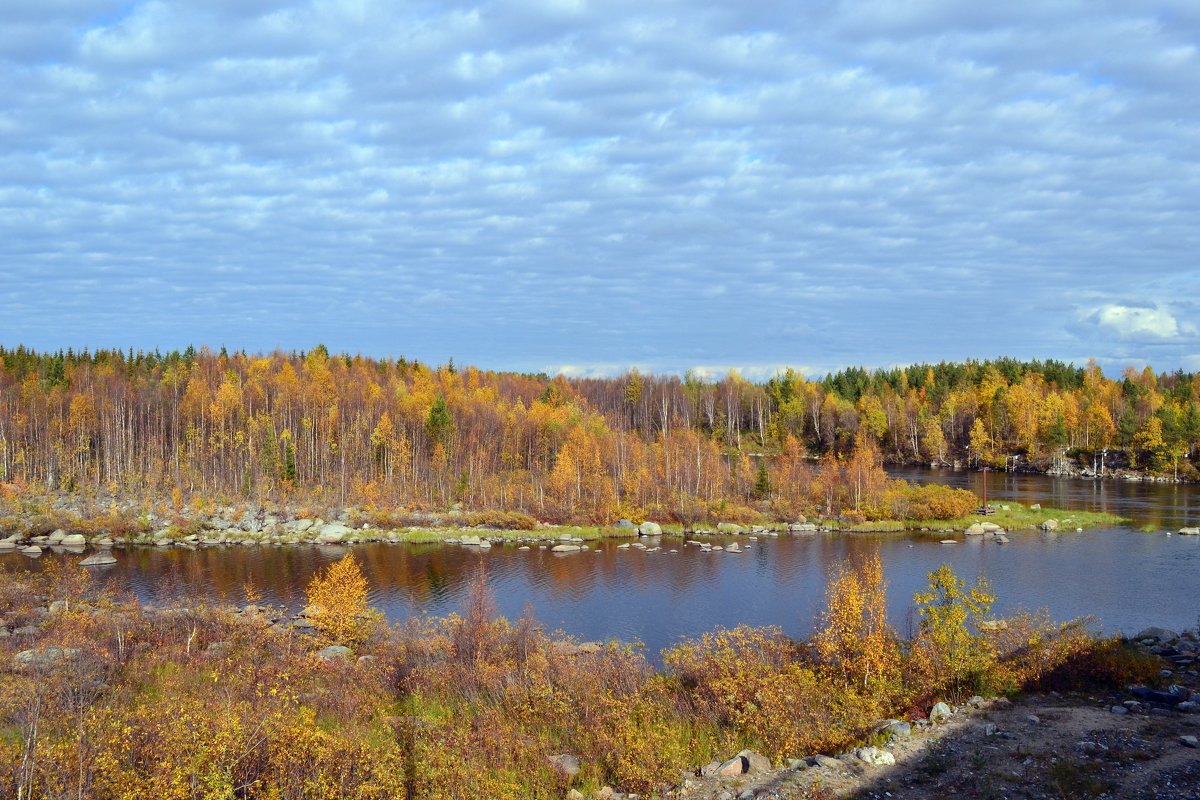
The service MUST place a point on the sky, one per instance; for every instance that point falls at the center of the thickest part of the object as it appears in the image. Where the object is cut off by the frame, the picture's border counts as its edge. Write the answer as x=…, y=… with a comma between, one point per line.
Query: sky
x=584, y=186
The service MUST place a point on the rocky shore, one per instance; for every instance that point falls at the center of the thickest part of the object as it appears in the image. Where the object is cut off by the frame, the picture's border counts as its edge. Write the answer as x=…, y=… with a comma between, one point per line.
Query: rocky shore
x=1141, y=743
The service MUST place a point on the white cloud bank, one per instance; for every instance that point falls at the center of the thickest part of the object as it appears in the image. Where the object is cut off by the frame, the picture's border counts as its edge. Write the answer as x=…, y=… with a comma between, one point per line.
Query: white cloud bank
x=1134, y=322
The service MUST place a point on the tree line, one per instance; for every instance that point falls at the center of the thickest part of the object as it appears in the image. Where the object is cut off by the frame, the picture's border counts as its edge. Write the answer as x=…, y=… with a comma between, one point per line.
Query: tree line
x=398, y=432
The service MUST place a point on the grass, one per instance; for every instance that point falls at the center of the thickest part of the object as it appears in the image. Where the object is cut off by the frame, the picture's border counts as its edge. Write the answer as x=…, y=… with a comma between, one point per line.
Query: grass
x=587, y=533
x=1011, y=516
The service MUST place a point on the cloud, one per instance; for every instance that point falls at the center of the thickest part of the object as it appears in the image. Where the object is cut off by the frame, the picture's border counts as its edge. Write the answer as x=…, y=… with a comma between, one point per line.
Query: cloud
x=523, y=183
x=1133, y=322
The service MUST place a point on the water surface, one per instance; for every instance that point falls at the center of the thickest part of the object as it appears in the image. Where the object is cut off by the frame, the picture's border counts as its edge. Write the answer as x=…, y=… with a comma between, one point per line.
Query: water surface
x=1126, y=579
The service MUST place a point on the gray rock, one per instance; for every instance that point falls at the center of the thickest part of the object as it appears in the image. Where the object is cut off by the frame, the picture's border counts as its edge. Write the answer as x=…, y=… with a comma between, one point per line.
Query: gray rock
x=746, y=762
x=895, y=728
x=828, y=762
x=1190, y=531
x=565, y=548
x=875, y=756
x=649, y=528
x=974, y=530
x=73, y=540
x=332, y=533
x=730, y=527
x=940, y=713
x=333, y=652
x=565, y=764
x=1050, y=525
x=1034, y=719
x=56, y=537
x=33, y=551
x=101, y=559
x=1119, y=710
x=1189, y=741
x=42, y=659
x=1163, y=635
x=625, y=525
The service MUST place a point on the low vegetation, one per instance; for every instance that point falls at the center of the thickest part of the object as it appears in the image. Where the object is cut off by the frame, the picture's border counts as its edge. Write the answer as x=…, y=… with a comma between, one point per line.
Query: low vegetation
x=1014, y=516
x=100, y=698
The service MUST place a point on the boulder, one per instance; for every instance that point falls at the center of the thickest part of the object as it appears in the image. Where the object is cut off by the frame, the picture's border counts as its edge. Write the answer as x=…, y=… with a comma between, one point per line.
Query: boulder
x=829, y=762
x=896, y=729
x=1050, y=525
x=42, y=659
x=625, y=525
x=875, y=756
x=975, y=530
x=565, y=548
x=730, y=527
x=649, y=528
x=33, y=551
x=73, y=540
x=1036, y=507
x=746, y=762
x=564, y=764
x=733, y=548
x=1191, y=531
x=333, y=533
x=1189, y=741
x=56, y=537
x=333, y=652
x=802, y=527
x=1163, y=635
x=940, y=713
x=101, y=559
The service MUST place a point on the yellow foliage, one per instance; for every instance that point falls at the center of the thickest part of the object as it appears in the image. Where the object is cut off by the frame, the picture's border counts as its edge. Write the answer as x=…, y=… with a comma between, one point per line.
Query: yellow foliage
x=855, y=640
x=337, y=599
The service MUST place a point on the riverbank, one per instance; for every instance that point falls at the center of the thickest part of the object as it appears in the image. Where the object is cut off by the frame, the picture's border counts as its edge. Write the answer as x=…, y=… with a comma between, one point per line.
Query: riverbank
x=331, y=701
x=68, y=523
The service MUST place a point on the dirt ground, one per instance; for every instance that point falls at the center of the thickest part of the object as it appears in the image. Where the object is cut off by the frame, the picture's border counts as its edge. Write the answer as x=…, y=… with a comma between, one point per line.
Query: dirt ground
x=1046, y=746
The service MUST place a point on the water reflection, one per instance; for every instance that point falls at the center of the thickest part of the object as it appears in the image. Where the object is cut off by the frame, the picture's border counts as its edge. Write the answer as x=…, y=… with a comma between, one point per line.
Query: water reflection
x=1127, y=579
x=1168, y=506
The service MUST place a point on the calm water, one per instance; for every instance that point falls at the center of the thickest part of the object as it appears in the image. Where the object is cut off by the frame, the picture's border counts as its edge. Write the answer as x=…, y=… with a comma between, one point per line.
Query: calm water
x=1124, y=578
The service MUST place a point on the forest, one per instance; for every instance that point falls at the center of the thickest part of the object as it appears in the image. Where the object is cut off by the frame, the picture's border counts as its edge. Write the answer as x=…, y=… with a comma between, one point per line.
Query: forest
x=393, y=433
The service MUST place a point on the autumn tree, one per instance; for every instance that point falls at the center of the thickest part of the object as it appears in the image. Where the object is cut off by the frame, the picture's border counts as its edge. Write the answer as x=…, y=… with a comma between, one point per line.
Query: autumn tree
x=337, y=603
x=854, y=640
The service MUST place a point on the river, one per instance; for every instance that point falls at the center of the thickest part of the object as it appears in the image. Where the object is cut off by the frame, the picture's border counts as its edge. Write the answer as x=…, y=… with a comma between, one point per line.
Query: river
x=1124, y=578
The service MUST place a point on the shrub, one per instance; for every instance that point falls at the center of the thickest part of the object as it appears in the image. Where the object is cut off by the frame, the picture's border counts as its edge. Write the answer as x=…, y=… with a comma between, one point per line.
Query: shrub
x=855, y=640
x=946, y=654
x=337, y=598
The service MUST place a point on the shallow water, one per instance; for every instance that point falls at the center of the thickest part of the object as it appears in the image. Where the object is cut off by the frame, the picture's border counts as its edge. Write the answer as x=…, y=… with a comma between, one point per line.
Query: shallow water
x=1124, y=578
